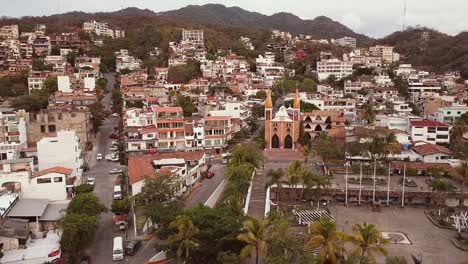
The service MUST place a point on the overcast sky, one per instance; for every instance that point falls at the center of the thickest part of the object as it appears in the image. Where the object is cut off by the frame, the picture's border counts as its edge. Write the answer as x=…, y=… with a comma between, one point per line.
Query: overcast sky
x=371, y=17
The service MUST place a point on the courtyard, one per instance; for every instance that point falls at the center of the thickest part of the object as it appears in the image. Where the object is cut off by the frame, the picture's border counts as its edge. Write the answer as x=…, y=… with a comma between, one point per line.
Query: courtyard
x=427, y=241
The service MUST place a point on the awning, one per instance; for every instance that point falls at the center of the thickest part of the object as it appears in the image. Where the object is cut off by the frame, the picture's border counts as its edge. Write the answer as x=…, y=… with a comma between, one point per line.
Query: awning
x=28, y=208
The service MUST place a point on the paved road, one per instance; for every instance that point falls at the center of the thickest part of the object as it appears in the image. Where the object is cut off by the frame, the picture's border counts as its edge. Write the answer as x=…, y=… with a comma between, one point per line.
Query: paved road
x=203, y=190
x=101, y=251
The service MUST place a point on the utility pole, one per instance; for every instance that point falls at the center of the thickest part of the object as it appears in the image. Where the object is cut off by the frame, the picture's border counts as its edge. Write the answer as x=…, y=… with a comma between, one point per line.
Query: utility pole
x=360, y=183
x=375, y=171
x=388, y=185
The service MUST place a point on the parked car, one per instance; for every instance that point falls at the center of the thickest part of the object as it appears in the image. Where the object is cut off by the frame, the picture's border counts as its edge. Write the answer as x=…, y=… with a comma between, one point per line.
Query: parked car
x=99, y=156
x=114, y=136
x=117, y=194
x=90, y=181
x=85, y=260
x=116, y=171
x=115, y=143
x=210, y=175
x=115, y=114
x=132, y=247
x=114, y=148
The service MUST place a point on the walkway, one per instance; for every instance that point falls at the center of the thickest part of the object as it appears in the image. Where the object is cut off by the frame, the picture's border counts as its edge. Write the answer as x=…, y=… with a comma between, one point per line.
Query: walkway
x=258, y=195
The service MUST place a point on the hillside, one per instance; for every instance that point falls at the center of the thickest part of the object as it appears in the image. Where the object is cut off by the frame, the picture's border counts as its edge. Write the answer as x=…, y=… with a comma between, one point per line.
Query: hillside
x=215, y=14
x=439, y=52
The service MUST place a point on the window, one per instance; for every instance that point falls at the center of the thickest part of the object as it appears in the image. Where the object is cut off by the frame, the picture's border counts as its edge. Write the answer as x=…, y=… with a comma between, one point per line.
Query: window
x=442, y=137
x=442, y=129
x=44, y=180
x=58, y=179
x=60, y=116
x=43, y=130
x=431, y=129
x=51, y=128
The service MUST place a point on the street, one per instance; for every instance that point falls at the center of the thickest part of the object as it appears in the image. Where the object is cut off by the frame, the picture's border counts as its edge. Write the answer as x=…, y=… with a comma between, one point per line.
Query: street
x=101, y=251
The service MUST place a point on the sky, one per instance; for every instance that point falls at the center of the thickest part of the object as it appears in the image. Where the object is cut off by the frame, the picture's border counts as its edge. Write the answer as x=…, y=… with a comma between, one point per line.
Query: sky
x=370, y=17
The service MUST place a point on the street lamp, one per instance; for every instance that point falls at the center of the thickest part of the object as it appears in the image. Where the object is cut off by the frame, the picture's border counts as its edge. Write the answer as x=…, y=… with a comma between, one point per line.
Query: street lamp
x=346, y=182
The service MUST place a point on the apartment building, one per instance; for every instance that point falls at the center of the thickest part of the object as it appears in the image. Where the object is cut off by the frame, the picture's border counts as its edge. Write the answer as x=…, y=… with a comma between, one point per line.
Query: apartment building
x=9, y=32
x=450, y=114
x=429, y=131
x=432, y=104
x=193, y=37
x=124, y=61
x=62, y=150
x=36, y=79
x=170, y=124
x=345, y=42
x=385, y=52
x=185, y=167
x=218, y=131
x=338, y=68
x=13, y=126
x=236, y=110
x=352, y=87
x=47, y=122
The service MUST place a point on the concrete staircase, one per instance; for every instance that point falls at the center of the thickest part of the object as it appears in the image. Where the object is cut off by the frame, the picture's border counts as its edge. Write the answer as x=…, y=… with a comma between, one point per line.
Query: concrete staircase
x=258, y=195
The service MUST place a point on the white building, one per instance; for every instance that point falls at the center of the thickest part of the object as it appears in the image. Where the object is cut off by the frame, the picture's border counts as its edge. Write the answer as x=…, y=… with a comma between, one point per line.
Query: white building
x=339, y=69
x=450, y=114
x=124, y=61
x=193, y=37
x=49, y=184
x=345, y=42
x=61, y=151
x=429, y=131
x=352, y=87
x=64, y=85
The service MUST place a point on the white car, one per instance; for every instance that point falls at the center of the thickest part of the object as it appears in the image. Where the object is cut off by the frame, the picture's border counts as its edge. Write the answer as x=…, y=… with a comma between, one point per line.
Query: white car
x=114, y=148
x=99, y=156
x=116, y=171
x=90, y=181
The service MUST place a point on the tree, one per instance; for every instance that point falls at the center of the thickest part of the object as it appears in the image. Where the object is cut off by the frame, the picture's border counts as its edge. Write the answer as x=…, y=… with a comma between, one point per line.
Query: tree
x=84, y=188
x=184, y=73
x=275, y=179
x=368, y=240
x=187, y=105
x=441, y=187
x=98, y=114
x=50, y=85
x=184, y=239
x=261, y=95
x=123, y=206
x=219, y=228
x=325, y=148
x=283, y=246
x=255, y=236
x=462, y=173
x=86, y=203
x=30, y=103
x=323, y=236
x=78, y=232
x=294, y=172
x=369, y=113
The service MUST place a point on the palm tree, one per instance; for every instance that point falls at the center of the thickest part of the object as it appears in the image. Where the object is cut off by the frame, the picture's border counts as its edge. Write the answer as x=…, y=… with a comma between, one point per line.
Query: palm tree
x=369, y=113
x=462, y=173
x=391, y=143
x=369, y=240
x=323, y=236
x=275, y=179
x=441, y=187
x=306, y=150
x=185, y=237
x=255, y=235
x=294, y=172
x=308, y=179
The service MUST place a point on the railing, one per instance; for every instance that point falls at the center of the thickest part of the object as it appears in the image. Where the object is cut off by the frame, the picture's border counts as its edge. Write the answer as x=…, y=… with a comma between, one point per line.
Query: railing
x=249, y=193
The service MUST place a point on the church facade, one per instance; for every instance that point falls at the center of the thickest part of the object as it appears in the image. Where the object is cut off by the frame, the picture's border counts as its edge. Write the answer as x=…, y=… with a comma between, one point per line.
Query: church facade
x=282, y=129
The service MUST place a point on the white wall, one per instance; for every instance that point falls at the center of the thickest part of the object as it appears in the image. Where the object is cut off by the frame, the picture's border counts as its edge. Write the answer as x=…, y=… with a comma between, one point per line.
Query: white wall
x=64, y=84
x=53, y=191
x=63, y=151
x=90, y=83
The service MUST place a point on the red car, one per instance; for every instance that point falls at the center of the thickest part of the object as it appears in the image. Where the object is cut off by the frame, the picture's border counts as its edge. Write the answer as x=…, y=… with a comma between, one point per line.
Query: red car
x=210, y=175
x=114, y=136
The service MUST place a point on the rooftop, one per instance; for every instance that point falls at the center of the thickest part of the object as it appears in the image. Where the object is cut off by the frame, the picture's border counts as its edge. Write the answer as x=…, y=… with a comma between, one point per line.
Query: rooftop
x=427, y=123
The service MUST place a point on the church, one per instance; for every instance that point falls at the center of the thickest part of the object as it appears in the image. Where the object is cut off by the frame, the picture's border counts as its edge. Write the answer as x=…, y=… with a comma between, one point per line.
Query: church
x=282, y=129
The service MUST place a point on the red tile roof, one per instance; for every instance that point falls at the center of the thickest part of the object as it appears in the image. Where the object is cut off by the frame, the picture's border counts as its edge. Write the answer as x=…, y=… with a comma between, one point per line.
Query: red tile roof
x=61, y=170
x=167, y=109
x=139, y=167
x=421, y=165
x=428, y=149
x=428, y=123
x=148, y=129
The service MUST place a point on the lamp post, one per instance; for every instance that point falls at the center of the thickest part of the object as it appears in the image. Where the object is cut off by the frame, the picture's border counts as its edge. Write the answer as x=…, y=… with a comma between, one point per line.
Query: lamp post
x=375, y=171
x=346, y=183
x=403, y=191
x=360, y=183
x=388, y=185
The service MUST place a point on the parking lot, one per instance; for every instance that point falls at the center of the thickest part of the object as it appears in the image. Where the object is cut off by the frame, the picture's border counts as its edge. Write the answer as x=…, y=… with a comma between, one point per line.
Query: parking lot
x=428, y=241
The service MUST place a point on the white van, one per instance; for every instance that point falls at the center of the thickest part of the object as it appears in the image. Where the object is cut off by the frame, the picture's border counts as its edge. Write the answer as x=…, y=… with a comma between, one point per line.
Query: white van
x=118, y=252
x=117, y=192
